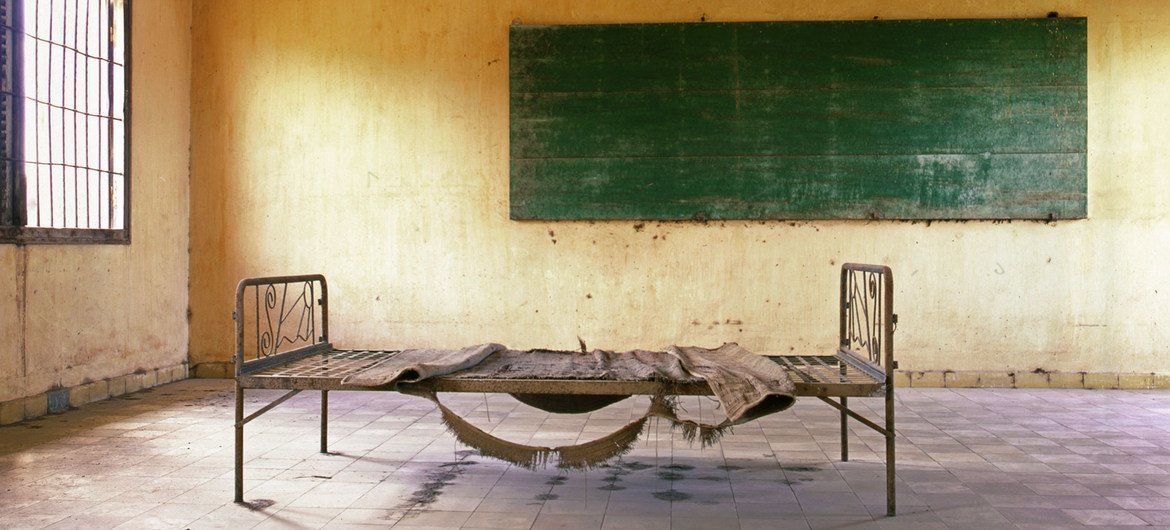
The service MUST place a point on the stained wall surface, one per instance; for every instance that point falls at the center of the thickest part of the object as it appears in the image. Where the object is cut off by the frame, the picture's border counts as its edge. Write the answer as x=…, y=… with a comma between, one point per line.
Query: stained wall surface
x=71, y=314
x=370, y=143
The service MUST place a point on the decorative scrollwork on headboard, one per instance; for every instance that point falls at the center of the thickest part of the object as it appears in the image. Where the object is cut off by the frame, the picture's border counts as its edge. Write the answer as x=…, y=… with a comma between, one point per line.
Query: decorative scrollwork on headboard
x=294, y=322
x=866, y=311
x=279, y=314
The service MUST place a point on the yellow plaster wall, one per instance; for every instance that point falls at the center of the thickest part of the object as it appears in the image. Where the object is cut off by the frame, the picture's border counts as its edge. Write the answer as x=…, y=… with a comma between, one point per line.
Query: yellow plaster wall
x=70, y=314
x=370, y=142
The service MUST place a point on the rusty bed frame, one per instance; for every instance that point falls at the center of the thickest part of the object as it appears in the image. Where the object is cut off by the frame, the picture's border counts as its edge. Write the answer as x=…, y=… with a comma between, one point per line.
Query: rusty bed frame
x=282, y=342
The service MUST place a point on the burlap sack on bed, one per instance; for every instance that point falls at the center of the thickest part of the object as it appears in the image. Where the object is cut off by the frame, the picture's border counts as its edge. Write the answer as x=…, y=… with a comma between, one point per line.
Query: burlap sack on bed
x=747, y=385
x=411, y=366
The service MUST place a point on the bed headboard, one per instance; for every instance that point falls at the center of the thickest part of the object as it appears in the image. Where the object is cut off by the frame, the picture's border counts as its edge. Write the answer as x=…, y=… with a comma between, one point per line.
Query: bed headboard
x=280, y=317
x=867, y=315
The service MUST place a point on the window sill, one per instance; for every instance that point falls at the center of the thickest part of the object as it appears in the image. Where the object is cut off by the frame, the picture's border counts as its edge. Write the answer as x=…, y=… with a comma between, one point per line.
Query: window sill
x=29, y=235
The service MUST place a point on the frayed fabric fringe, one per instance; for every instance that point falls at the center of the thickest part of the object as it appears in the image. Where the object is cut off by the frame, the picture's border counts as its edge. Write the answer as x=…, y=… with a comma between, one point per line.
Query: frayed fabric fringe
x=587, y=455
x=666, y=408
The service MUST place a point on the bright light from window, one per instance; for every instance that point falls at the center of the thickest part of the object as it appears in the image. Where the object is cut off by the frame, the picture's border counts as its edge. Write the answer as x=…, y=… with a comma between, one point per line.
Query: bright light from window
x=74, y=126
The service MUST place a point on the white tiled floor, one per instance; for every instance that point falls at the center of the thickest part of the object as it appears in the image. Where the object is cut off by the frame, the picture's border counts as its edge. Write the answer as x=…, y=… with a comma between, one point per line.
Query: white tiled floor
x=967, y=458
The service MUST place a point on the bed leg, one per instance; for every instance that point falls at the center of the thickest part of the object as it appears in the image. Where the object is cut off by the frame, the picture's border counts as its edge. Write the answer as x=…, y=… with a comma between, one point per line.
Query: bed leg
x=324, y=421
x=890, y=476
x=844, y=430
x=239, y=443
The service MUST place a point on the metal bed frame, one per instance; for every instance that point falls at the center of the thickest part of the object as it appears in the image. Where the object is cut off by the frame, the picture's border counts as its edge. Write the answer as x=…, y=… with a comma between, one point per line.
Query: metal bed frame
x=282, y=342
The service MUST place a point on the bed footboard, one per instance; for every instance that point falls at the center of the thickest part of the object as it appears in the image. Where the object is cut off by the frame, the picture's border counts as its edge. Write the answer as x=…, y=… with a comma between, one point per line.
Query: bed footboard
x=867, y=324
x=278, y=320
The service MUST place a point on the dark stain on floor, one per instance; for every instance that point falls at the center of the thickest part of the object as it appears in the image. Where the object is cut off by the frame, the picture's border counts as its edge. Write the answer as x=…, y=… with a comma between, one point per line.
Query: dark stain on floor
x=671, y=495
x=439, y=478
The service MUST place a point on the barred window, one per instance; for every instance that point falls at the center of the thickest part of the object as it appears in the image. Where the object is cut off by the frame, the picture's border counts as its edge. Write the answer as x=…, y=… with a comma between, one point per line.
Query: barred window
x=64, y=119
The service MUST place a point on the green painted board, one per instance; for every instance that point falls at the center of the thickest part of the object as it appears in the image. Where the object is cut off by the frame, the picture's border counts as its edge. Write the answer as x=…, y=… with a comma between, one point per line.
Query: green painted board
x=924, y=119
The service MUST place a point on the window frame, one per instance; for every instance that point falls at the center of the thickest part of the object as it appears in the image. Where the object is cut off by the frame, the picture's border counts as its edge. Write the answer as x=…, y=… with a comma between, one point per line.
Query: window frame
x=13, y=211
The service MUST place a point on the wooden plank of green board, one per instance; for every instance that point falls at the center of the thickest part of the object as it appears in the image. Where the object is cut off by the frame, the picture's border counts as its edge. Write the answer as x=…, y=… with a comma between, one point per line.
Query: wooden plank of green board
x=917, y=53
x=957, y=186
x=943, y=119
x=790, y=122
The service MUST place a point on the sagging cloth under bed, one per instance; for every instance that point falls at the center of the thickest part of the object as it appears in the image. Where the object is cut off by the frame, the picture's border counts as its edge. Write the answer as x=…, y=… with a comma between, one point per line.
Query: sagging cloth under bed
x=747, y=386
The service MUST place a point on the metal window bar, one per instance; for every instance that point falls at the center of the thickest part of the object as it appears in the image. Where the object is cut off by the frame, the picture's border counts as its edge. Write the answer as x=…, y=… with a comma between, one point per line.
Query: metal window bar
x=10, y=112
x=63, y=104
